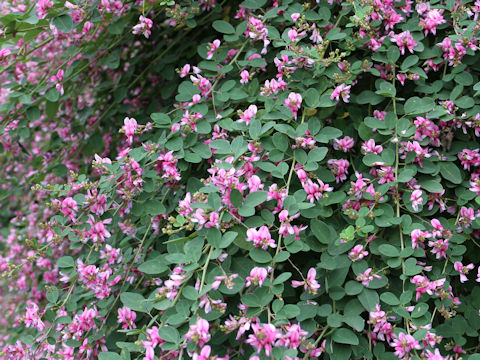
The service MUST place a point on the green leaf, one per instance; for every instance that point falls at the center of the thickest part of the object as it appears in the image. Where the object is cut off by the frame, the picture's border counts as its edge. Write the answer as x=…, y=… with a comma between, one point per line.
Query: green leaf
x=420, y=310
x=389, y=298
x=317, y=154
x=411, y=267
x=260, y=256
x=322, y=231
x=256, y=198
x=280, y=141
x=409, y=62
x=431, y=186
x=451, y=172
x=134, y=301
x=465, y=102
x=416, y=105
x=463, y=78
x=152, y=267
x=289, y=311
x=311, y=98
x=223, y=27
x=389, y=250
x=65, y=262
x=161, y=118
x=236, y=198
x=169, y=334
x=253, y=4
x=109, y=356
x=369, y=298
x=282, y=278
x=63, y=23
x=52, y=95
x=345, y=336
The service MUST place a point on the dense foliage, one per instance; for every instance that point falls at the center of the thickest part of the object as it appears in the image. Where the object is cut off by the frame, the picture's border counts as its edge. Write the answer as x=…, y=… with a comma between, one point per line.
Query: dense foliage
x=239, y=180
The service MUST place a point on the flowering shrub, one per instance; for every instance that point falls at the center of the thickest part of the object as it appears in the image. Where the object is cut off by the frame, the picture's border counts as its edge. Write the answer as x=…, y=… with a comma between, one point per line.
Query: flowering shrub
x=252, y=180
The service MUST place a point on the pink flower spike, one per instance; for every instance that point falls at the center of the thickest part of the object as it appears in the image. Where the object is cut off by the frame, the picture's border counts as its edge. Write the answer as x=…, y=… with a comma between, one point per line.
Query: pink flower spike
x=343, y=91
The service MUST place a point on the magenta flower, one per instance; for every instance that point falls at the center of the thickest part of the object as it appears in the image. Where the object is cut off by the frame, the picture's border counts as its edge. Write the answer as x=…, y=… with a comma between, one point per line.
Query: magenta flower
x=129, y=127
x=357, y=253
x=126, y=317
x=247, y=115
x=310, y=284
x=199, y=332
x=292, y=35
x=433, y=18
x=143, y=27
x=416, y=199
x=293, y=102
x=367, y=277
x=261, y=238
x=212, y=47
x=343, y=91
x=369, y=147
x=257, y=276
x=204, y=354
x=69, y=208
x=293, y=337
x=403, y=40
x=345, y=144
x=245, y=77
x=463, y=270
x=295, y=16
x=403, y=344
x=263, y=338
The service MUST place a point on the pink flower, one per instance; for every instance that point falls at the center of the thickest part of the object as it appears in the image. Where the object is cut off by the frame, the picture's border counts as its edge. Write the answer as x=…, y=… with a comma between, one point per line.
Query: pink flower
x=357, y=253
x=432, y=20
x=247, y=115
x=310, y=284
x=87, y=27
x=293, y=102
x=315, y=191
x=463, y=270
x=416, y=199
x=204, y=354
x=127, y=318
x=212, y=47
x=404, y=39
x=261, y=238
x=257, y=276
x=343, y=91
x=295, y=16
x=4, y=53
x=292, y=35
x=439, y=248
x=199, y=332
x=32, y=318
x=69, y=208
x=418, y=237
x=185, y=70
x=143, y=27
x=245, y=77
x=435, y=355
x=344, y=144
x=366, y=277
x=294, y=335
x=129, y=127
x=339, y=168
x=369, y=147
x=263, y=338
x=42, y=8
x=98, y=232
x=403, y=344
